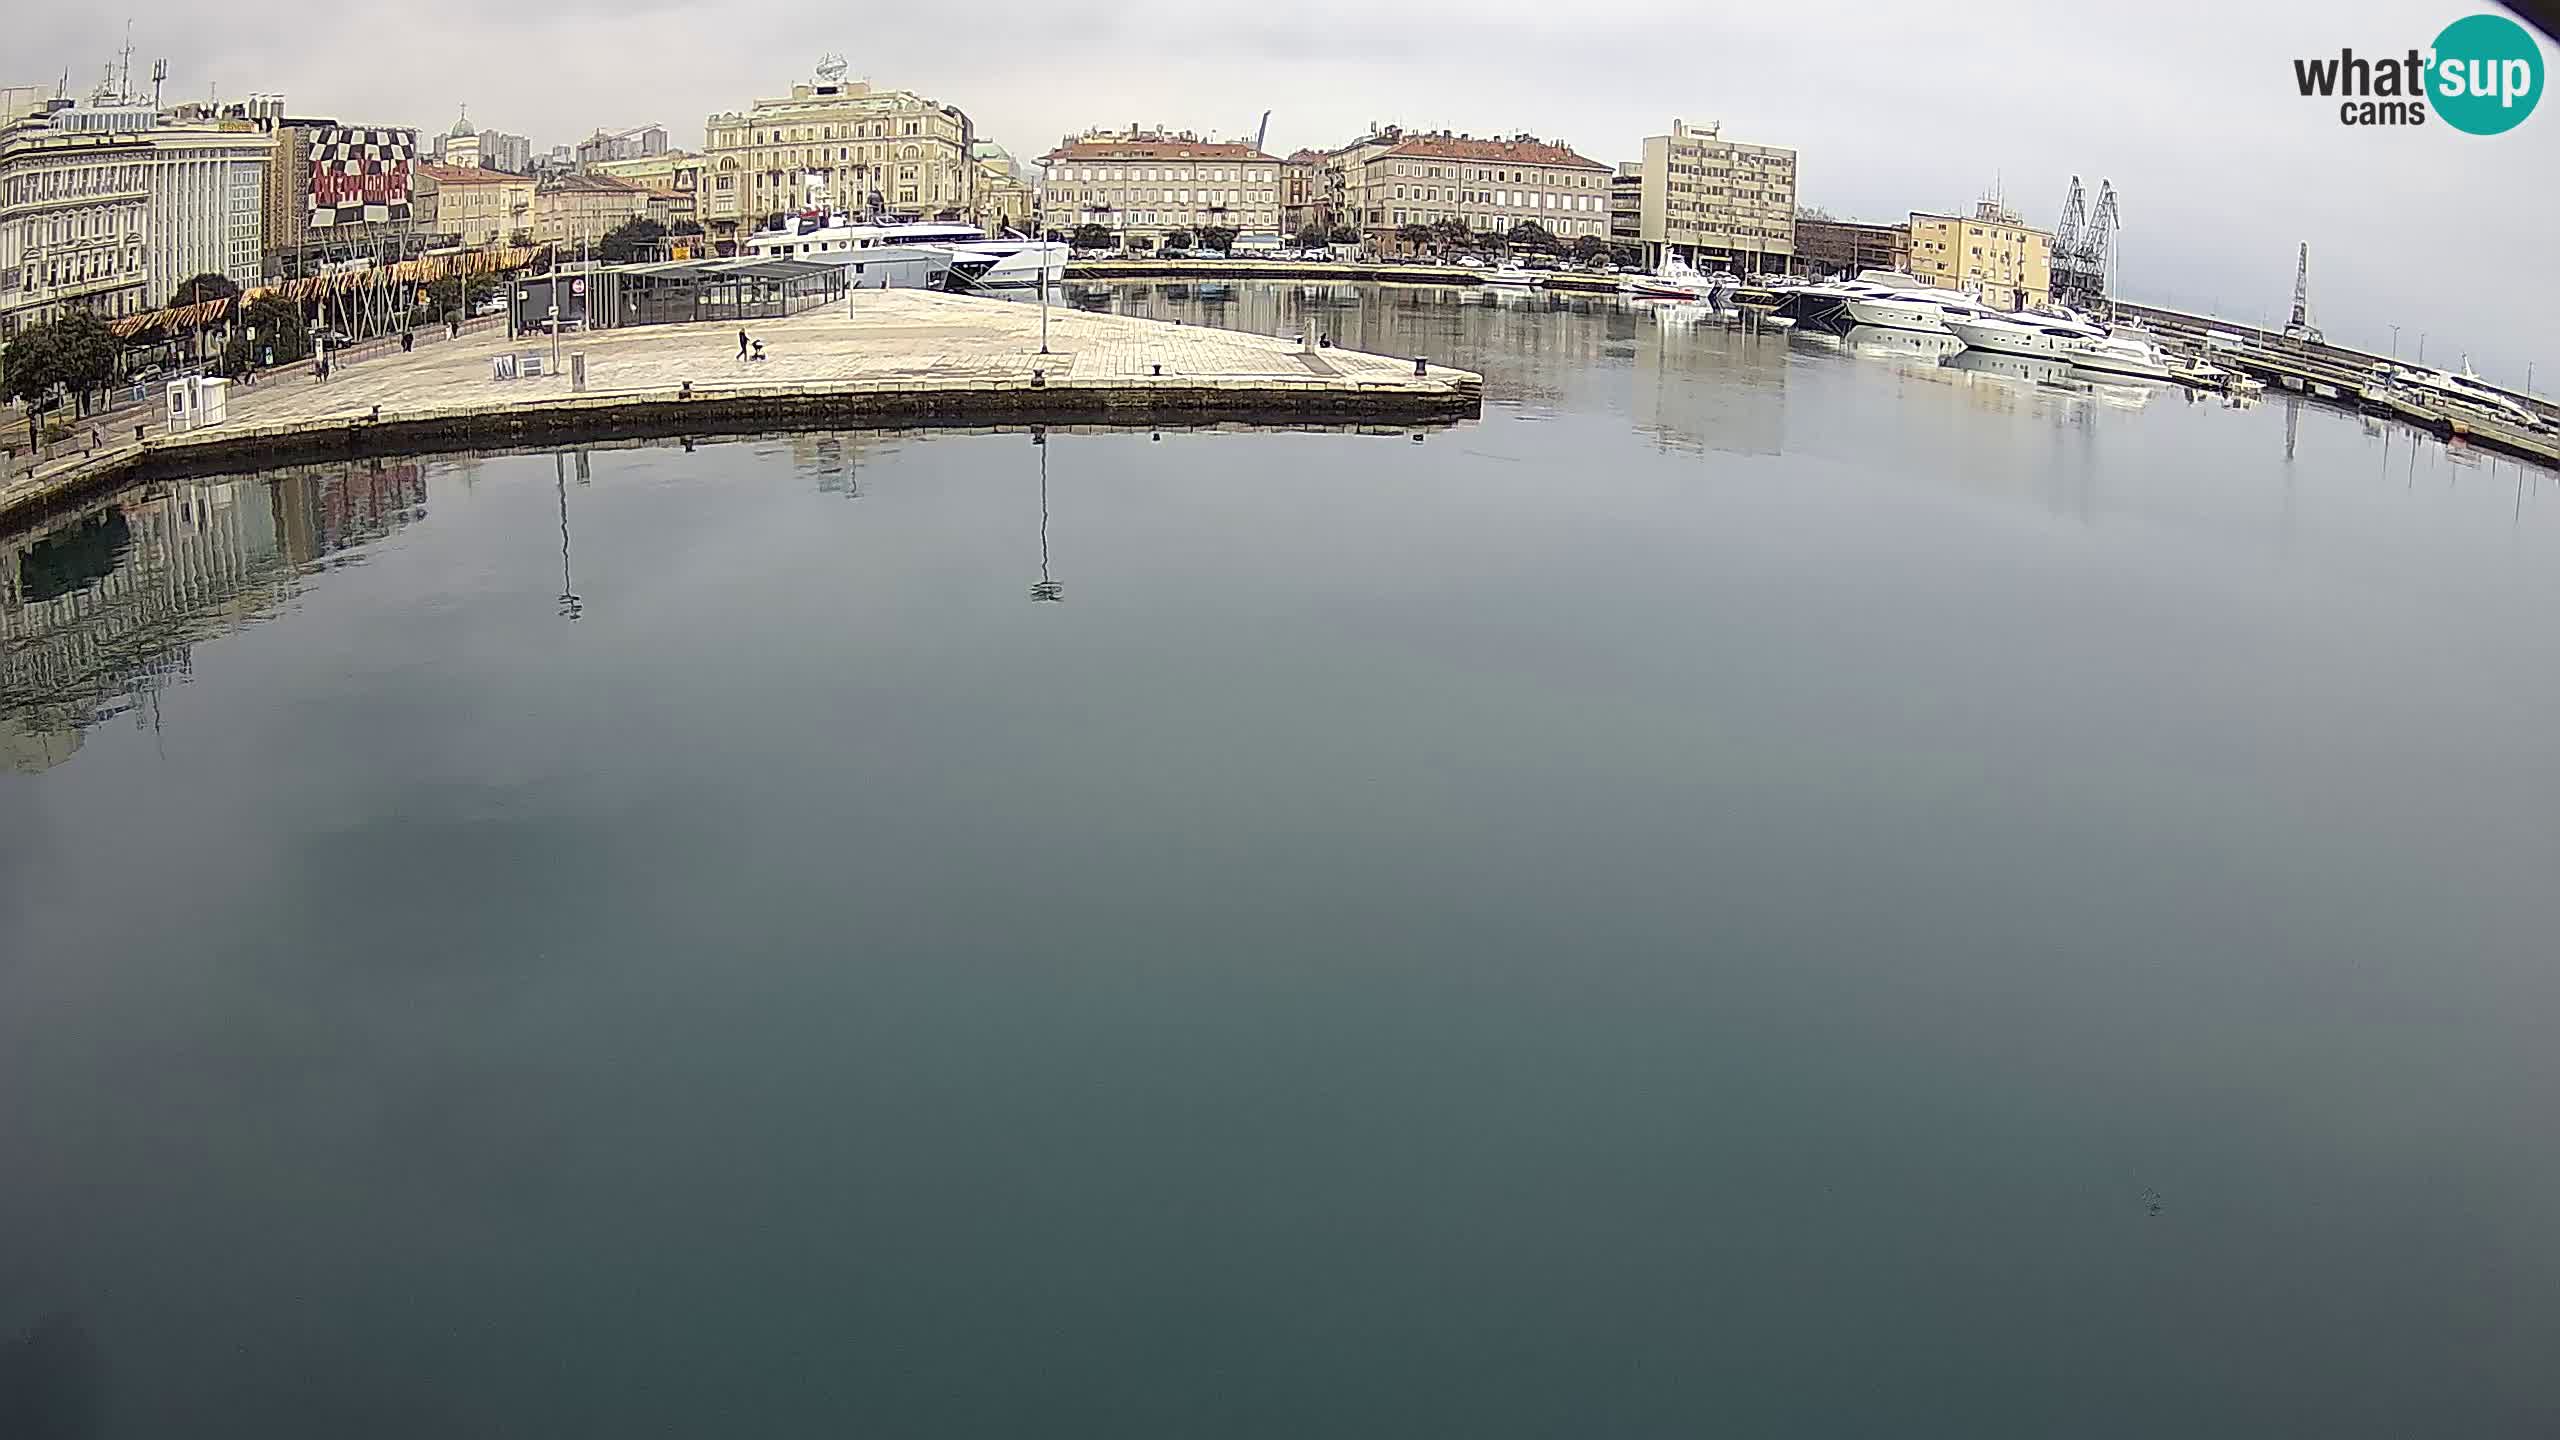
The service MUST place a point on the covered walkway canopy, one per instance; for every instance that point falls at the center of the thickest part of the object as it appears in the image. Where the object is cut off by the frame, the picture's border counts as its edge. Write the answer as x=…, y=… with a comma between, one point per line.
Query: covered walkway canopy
x=674, y=292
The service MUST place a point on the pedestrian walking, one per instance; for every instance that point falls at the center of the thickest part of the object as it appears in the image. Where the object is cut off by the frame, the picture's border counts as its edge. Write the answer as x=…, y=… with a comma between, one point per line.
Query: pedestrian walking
x=742, y=342
x=408, y=341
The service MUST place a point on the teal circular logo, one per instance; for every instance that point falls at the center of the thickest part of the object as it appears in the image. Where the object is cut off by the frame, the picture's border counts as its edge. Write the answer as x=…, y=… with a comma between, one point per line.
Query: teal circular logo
x=2486, y=76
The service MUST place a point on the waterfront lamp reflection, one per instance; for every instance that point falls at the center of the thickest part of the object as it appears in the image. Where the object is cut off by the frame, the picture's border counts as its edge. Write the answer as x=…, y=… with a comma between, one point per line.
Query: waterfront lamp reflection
x=571, y=606
x=1047, y=590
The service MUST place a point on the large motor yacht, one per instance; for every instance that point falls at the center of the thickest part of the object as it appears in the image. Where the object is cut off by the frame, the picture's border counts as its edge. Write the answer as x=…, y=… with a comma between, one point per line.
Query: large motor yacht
x=2024, y=332
x=976, y=258
x=1899, y=300
x=2143, y=359
x=2463, y=391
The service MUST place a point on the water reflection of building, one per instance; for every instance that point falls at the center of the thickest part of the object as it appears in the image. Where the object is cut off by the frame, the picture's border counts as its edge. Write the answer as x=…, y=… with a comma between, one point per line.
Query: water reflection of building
x=834, y=458
x=1704, y=384
x=99, y=612
x=323, y=510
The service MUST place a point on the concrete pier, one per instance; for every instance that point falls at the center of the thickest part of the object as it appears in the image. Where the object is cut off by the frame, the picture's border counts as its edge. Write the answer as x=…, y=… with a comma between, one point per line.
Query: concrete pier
x=902, y=357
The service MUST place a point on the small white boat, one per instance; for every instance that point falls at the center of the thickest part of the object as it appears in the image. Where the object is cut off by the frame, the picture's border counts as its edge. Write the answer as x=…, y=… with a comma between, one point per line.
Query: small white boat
x=1512, y=277
x=1674, y=280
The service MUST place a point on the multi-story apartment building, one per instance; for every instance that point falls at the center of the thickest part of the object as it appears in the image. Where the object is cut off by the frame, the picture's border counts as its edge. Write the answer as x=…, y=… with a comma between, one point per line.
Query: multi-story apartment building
x=1494, y=184
x=479, y=206
x=638, y=143
x=74, y=211
x=574, y=210
x=1626, y=204
x=1825, y=246
x=502, y=151
x=1302, y=194
x=463, y=146
x=858, y=148
x=207, y=211
x=203, y=176
x=1143, y=185
x=1991, y=253
x=677, y=170
x=1717, y=202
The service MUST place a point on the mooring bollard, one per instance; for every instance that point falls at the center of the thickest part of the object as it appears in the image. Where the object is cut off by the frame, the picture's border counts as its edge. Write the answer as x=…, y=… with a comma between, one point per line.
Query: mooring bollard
x=1038, y=380
x=1420, y=365
x=1159, y=369
x=377, y=414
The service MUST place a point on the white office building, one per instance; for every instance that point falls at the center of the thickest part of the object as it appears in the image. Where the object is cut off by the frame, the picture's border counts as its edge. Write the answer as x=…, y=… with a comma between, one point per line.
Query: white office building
x=206, y=210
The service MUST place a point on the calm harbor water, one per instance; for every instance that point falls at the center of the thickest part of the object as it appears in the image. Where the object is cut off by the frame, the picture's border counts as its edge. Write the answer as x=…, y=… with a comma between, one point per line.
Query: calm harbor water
x=1769, y=885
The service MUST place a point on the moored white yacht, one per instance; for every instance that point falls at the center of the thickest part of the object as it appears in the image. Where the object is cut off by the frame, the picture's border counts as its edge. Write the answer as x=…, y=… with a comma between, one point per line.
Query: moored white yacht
x=1897, y=300
x=2022, y=333
x=1512, y=277
x=976, y=258
x=2463, y=390
x=2137, y=357
x=1675, y=279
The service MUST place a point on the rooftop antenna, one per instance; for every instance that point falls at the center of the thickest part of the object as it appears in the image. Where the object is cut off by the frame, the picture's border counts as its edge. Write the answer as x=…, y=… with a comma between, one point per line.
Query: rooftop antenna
x=124, y=67
x=159, y=75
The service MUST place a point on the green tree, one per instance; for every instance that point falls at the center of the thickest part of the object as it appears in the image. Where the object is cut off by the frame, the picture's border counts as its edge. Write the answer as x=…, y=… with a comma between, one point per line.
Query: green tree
x=685, y=227
x=1311, y=238
x=1217, y=237
x=1092, y=237
x=1626, y=254
x=29, y=371
x=196, y=289
x=75, y=353
x=633, y=239
x=1531, y=236
x=1453, y=234
x=1414, y=237
x=451, y=296
x=280, y=336
x=1344, y=235
x=1178, y=240
x=1590, y=248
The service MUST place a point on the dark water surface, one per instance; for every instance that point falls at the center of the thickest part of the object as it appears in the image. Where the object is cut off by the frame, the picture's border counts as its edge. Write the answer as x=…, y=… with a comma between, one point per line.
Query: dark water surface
x=1760, y=889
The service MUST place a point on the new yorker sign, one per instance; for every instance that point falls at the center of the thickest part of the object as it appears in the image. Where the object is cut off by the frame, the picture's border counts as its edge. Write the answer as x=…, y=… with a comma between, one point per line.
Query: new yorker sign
x=2482, y=76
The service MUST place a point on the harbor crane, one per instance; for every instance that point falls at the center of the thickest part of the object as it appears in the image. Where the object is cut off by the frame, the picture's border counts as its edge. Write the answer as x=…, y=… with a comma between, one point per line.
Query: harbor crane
x=2299, y=327
x=2083, y=247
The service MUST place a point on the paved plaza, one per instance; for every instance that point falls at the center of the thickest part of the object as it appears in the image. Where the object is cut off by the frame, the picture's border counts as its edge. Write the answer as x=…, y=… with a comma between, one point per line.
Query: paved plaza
x=893, y=341
x=893, y=338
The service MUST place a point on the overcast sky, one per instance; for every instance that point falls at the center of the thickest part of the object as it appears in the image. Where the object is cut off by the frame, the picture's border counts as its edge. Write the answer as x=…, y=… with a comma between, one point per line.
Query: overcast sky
x=2190, y=108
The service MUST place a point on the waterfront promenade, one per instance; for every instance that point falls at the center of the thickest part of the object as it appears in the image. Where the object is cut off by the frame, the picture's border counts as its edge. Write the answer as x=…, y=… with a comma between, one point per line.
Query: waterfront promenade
x=902, y=356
